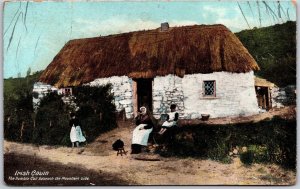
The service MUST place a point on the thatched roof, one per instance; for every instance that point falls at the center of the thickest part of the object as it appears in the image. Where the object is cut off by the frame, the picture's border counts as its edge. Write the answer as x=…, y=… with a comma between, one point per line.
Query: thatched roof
x=260, y=82
x=146, y=54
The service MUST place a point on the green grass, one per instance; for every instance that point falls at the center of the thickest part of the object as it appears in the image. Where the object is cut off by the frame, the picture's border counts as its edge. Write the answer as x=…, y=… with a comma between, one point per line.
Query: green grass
x=272, y=141
x=261, y=170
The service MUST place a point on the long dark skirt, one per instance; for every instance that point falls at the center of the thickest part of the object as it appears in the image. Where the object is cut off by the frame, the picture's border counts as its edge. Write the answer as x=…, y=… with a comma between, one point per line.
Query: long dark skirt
x=136, y=148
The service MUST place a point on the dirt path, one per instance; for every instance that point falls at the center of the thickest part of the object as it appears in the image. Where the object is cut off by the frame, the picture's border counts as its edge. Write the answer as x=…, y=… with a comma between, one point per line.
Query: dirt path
x=59, y=174
x=99, y=157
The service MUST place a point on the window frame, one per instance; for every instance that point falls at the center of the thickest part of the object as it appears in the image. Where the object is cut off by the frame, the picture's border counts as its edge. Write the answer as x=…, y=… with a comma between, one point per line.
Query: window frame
x=203, y=88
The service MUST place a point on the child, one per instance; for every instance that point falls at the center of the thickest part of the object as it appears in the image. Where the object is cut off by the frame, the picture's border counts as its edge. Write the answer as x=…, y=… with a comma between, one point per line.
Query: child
x=171, y=120
x=76, y=135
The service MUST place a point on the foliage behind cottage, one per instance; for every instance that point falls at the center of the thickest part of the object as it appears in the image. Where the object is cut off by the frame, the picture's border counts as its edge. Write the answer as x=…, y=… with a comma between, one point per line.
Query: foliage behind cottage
x=274, y=49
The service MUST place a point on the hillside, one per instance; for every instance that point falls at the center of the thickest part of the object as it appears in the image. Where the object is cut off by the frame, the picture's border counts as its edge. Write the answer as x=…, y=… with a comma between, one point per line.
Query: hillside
x=11, y=84
x=17, y=92
x=274, y=49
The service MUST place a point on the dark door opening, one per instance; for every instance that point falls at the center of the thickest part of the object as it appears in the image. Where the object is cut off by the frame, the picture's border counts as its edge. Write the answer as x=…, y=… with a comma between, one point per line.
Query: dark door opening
x=263, y=99
x=144, y=93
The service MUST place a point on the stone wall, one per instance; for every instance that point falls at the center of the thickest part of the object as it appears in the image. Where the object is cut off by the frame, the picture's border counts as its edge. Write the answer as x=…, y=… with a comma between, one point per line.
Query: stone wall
x=122, y=90
x=283, y=96
x=167, y=90
x=235, y=95
x=278, y=97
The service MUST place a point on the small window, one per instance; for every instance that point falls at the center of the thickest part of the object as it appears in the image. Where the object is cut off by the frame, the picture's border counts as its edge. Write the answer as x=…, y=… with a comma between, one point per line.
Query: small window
x=209, y=88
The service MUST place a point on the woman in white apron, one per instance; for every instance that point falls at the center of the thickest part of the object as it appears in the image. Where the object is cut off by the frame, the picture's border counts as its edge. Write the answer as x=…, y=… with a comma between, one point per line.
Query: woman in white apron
x=171, y=120
x=141, y=133
x=76, y=135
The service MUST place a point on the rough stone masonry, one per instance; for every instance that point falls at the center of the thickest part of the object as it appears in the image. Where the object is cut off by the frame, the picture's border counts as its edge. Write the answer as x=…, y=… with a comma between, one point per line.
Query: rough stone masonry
x=235, y=94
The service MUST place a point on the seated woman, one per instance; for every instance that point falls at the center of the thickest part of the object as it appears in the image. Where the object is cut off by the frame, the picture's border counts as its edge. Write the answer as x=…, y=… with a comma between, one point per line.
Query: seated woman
x=141, y=133
x=171, y=120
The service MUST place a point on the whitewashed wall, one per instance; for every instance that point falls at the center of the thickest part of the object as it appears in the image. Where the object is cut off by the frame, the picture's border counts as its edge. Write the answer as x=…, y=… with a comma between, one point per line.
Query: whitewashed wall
x=235, y=95
x=42, y=89
x=122, y=90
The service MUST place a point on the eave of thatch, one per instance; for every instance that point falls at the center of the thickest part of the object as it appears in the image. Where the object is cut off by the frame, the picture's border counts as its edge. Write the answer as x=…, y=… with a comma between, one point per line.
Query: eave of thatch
x=146, y=54
x=260, y=82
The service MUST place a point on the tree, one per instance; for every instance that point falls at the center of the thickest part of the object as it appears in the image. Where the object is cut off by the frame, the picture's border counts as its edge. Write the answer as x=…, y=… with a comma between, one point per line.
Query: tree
x=28, y=72
x=96, y=110
x=51, y=122
x=18, y=110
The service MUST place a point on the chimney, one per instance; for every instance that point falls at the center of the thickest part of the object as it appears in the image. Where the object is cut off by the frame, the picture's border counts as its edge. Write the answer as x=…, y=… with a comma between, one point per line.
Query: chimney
x=164, y=26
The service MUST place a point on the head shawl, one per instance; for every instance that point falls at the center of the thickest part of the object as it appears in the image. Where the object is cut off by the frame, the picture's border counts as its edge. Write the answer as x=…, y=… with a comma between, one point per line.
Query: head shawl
x=145, y=110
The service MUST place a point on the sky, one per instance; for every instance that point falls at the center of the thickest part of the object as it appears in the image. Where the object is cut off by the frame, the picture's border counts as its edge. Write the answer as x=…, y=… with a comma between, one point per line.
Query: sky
x=34, y=32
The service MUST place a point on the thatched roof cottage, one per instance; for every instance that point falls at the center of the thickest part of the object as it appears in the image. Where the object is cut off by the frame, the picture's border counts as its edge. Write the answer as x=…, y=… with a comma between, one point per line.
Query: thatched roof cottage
x=201, y=68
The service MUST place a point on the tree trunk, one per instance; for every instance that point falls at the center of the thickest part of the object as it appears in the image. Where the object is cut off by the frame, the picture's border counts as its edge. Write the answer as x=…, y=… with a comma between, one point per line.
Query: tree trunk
x=21, y=131
x=100, y=116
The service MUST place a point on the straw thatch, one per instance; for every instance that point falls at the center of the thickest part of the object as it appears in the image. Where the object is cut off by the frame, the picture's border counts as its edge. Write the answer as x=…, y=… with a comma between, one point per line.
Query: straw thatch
x=260, y=82
x=146, y=54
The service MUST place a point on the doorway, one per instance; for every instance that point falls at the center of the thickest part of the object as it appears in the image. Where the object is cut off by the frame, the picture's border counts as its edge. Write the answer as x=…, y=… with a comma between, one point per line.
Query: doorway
x=142, y=90
x=263, y=97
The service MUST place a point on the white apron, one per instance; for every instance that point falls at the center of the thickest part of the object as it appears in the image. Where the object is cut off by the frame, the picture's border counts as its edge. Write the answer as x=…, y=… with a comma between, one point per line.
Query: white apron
x=76, y=134
x=171, y=121
x=141, y=136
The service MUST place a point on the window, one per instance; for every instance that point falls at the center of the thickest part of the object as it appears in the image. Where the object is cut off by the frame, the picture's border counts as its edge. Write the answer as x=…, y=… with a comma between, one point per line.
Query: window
x=209, y=88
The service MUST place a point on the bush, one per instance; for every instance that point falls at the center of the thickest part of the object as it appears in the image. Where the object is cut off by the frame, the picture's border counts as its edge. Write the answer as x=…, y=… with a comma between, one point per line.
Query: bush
x=18, y=111
x=96, y=110
x=18, y=121
x=96, y=115
x=272, y=140
x=201, y=142
x=260, y=153
x=247, y=157
x=219, y=152
x=254, y=154
x=52, y=126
